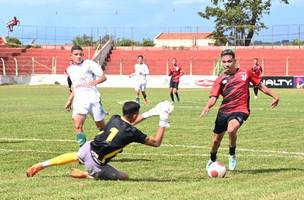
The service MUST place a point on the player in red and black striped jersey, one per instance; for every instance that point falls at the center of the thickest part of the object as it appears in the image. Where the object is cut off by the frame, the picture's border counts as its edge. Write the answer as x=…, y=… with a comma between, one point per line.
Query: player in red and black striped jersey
x=175, y=72
x=118, y=133
x=233, y=85
x=258, y=70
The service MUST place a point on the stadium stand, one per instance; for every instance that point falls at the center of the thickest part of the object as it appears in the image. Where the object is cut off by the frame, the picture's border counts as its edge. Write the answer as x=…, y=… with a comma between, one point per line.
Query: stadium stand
x=36, y=60
x=277, y=61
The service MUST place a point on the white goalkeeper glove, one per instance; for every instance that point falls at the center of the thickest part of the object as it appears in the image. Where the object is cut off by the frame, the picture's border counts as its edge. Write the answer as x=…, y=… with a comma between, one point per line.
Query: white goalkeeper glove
x=166, y=108
x=159, y=109
x=164, y=120
x=152, y=112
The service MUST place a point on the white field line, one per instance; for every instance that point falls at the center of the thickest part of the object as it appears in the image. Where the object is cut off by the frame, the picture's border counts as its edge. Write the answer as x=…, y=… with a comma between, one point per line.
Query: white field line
x=287, y=153
x=151, y=154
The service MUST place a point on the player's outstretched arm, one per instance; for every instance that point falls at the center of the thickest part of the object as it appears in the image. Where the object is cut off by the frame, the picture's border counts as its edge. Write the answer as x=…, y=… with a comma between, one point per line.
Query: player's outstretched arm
x=267, y=91
x=211, y=102
x=156, y=140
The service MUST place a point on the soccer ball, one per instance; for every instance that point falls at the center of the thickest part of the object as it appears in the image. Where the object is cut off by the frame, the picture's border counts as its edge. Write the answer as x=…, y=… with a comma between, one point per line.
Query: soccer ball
x=217, y=170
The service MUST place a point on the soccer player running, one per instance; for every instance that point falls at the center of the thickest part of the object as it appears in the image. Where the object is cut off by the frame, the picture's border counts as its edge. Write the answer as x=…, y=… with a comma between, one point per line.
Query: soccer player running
x=85, y=75
x=258, y=70
x=233, y=85
x=175, y=72
x=119, y=132
x=141, y=72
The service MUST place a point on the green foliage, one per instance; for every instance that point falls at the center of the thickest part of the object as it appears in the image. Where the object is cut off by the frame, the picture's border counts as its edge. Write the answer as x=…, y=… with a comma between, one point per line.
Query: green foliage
x=84, y=40
x=126, y=42
x=297, y=42
x=13, y=42
x=147, y=43
x=129, y=42
x=238, y=20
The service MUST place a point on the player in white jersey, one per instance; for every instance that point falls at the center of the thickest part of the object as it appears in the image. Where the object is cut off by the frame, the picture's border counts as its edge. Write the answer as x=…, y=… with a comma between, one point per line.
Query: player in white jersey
x=141, y=72
x=85, y=75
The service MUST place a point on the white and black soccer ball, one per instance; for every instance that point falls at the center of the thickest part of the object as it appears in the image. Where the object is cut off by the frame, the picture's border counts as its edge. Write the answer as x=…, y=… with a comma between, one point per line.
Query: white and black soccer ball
x=216, y=170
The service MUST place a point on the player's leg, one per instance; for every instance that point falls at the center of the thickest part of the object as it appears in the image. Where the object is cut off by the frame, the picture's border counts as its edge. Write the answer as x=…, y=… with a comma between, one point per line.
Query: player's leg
x=137, y=90
x=10, y=27
x=79, y=120
x=171, y=90
x=59, y=160
x=110, y=173
x=84, y=156
x=76, y=173
x=234, y=123
x=98, y=114
x=143, y=92
x=175, y=91
x=80, y=111
x=220, y=127
x=255, y=90
x=171, y=94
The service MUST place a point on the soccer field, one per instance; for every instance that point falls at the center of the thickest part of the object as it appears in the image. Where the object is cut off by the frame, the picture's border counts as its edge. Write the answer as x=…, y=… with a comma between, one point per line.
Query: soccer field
x=35, y=127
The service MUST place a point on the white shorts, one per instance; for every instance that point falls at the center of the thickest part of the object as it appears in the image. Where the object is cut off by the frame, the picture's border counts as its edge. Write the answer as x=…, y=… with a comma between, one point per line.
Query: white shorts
x=141, y=87
x=105, y=172
x=96, y=110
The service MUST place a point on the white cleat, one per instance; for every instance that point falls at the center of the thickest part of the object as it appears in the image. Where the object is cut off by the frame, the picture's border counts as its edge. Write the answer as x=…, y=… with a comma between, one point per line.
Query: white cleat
x=232, y=163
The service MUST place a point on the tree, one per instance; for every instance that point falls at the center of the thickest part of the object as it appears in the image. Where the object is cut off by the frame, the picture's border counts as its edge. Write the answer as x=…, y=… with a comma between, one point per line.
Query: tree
x=147, y=43
x=84, y=40
x=236, y=21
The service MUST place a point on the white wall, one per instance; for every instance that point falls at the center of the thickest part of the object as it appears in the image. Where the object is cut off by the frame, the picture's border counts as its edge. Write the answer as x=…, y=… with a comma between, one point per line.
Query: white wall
x=121, y=81
x=183, y=42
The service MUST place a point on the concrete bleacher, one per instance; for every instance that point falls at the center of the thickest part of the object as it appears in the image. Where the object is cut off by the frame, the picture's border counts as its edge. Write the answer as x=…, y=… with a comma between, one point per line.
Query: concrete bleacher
x=36, y=60
x=276, y=61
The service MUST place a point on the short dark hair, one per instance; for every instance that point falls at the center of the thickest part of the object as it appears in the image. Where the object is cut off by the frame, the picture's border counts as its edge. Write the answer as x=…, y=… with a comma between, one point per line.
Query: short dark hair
x=130, y=108
x=228, y=52
x=76, y=47
x=141, y=56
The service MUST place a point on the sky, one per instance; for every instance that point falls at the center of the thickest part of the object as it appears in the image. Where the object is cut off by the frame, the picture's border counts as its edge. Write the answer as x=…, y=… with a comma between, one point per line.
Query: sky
x=130, y=17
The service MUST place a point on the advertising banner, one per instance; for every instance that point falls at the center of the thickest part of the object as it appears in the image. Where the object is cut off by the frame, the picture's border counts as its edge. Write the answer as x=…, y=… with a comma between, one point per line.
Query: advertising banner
x=298, y=81
x=278, y=81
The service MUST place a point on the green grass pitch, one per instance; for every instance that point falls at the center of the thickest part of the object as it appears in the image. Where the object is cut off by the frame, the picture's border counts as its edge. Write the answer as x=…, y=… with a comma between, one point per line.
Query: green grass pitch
x=34, y=127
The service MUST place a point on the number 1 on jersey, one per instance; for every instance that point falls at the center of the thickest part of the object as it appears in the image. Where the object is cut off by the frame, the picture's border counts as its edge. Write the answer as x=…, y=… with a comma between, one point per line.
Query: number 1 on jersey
x=113, y=133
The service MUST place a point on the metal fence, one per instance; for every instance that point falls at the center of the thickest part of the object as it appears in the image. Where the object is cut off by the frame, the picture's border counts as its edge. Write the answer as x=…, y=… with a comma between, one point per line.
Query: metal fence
x=292, y=34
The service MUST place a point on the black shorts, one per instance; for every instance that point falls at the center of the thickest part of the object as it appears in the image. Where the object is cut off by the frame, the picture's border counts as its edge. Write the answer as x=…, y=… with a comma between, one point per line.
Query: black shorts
x=222, y=120
x=174, y=84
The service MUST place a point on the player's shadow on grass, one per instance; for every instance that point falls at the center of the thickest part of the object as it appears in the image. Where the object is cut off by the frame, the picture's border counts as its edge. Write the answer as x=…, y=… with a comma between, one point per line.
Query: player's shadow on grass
x=165, y=180
x=10, y=142
x=260, y=171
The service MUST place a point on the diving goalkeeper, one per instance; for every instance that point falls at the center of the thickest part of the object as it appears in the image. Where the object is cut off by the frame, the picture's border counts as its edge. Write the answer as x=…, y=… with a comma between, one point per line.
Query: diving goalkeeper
x=119, y=132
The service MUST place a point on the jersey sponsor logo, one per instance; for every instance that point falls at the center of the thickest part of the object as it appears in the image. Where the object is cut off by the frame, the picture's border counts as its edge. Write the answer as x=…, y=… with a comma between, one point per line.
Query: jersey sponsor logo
x=244, y=76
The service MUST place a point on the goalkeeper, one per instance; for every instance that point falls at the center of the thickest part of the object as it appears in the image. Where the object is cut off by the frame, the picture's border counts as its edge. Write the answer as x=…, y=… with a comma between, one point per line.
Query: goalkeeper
x=118, y=133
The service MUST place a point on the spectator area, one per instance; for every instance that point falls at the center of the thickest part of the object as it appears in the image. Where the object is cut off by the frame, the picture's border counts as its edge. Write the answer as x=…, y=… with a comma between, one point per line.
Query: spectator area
x=278, y=61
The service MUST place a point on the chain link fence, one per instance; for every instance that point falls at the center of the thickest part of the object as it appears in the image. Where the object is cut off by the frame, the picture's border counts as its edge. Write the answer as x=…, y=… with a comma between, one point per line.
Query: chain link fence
x=274, y=35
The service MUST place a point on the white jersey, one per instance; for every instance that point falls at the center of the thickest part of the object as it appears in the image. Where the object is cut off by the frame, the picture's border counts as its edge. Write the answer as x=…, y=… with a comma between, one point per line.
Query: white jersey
x=141, y=72
x=80, y=76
